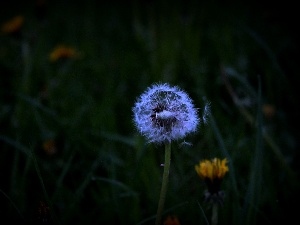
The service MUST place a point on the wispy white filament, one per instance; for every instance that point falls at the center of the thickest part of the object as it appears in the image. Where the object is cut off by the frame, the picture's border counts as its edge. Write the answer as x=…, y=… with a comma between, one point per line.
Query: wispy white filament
x=164, y=115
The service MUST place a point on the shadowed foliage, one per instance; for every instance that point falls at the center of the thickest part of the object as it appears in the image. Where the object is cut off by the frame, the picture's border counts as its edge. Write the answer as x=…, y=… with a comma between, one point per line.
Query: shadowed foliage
x=70, y=72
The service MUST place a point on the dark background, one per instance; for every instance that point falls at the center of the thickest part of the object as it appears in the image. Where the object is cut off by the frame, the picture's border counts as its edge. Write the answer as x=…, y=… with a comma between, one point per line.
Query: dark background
x=99, y=169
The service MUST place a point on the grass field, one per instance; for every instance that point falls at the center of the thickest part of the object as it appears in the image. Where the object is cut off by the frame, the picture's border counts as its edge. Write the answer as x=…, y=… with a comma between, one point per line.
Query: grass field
x=71, y=72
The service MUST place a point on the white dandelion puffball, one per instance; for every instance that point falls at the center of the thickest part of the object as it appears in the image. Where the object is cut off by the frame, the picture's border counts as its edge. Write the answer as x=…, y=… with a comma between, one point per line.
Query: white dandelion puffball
x=164, y=113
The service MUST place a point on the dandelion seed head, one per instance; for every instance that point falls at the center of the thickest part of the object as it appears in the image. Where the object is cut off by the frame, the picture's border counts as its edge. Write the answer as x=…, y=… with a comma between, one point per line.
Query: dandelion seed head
x=164, y=113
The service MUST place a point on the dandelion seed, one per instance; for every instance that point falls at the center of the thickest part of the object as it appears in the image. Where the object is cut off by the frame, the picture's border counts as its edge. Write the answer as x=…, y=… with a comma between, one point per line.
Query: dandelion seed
x=164, y=113
x=184, y=143
x=206, y=113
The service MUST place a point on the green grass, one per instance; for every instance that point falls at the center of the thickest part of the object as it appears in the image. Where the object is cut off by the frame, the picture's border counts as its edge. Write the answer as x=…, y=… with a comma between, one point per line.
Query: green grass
x=238, y=57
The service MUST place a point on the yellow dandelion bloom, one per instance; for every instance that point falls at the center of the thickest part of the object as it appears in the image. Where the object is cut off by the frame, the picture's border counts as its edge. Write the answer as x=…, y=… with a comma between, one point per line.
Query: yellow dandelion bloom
x=171, y=220
x=49, y=147
x=269, y=110
x=62, y=51
x=12, y=25
x=212, y=169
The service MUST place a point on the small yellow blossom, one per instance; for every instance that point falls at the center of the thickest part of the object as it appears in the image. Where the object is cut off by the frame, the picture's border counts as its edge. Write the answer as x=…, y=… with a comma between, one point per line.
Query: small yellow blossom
x=49, y=147
x=12, y=25
x=268, y=110
x=171, y=220
x=212, y=169
x=62, y=51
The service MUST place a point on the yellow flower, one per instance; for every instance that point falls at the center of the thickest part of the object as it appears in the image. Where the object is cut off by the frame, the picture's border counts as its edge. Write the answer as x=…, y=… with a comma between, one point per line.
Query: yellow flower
x=62, y=51
x=12, y=25
x=171, y=220
x=49, y=147
x=268, y=110
x=212, y=169
x=212, y=172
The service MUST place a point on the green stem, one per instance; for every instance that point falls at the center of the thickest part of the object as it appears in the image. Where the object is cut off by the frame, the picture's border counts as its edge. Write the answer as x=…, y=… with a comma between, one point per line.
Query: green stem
x=214, y=216
x=164, y=183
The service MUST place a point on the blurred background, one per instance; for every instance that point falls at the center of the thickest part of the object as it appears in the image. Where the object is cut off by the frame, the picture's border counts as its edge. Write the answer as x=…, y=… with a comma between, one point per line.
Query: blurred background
x=70, y=72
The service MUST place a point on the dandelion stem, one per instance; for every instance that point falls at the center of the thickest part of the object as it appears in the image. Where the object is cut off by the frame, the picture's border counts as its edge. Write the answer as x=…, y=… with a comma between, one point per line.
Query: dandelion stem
x=214, y=216
x=164, y=183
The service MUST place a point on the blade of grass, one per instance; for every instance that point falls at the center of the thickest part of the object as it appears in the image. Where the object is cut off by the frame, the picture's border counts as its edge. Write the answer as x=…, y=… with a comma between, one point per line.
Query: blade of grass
x=13, y=204
x=61, y=178
x=253, y=195
x=206, y=220
x=231, y=174
x=53, y=215
x=15, y=144
x=250, y=119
